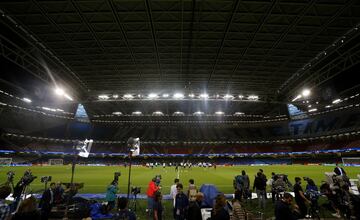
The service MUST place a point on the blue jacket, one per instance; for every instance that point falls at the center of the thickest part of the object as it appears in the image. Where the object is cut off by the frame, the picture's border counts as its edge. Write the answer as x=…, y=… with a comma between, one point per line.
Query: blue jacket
x=111, y=193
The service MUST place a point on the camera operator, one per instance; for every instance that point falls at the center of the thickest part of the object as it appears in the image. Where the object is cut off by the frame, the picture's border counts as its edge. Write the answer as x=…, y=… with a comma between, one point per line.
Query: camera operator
x=4, y=208
x=283, y=209
x=300, y=198
x=47, y=201
x=278, y=187
x=153, y=187
x=124, y=212
x=111, y=191
x=334, y=203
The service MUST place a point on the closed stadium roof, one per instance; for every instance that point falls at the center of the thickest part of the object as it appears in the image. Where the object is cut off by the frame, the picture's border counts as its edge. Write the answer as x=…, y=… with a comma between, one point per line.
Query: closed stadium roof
x=271, y=49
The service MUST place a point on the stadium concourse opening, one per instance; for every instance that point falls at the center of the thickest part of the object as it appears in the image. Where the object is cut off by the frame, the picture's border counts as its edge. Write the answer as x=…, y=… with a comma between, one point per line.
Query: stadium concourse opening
x=169, y=109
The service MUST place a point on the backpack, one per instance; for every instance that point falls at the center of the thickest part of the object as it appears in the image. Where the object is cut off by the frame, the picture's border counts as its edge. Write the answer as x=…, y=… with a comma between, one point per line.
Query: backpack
x=238, y=182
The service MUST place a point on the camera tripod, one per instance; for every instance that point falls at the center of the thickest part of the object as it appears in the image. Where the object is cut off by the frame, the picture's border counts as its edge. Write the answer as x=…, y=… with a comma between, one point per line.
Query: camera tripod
x=134, y=203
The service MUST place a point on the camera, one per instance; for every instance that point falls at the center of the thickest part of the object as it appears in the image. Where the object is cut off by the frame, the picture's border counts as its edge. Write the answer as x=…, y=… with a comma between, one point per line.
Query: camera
x=45, y=179
x=135, y=190
x=306, y=178
x=116, y=176
x=10, y=176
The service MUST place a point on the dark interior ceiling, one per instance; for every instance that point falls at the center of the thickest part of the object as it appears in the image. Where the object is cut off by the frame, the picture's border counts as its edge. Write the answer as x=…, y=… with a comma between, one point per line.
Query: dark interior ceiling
x=248, y=47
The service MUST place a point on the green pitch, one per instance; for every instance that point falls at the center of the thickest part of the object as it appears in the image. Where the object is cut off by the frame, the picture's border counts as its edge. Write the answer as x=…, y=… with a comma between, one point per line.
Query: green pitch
x=97, y=178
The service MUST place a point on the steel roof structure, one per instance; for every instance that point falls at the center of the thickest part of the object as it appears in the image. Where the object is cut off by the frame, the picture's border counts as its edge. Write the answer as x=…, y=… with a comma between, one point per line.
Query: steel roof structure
x=268, y=48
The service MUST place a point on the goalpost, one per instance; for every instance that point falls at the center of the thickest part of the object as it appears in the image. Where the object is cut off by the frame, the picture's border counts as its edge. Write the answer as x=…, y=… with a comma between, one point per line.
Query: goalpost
x=5, y=161
x=55, y=162
x=351, y=161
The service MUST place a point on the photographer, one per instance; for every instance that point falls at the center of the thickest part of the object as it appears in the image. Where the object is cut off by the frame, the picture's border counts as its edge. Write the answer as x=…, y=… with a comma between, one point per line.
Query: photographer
x=47, y=201
x=278, y=187
x=111, y=194
x=312, y=193
x=300, y=198
x=153, y=187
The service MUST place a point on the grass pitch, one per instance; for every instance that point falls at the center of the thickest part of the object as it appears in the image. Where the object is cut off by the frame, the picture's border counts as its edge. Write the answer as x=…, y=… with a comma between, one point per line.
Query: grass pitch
x=96, y=179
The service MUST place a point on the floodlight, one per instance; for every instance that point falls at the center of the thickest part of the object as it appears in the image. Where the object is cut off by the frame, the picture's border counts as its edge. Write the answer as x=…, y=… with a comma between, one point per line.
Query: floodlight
x=115, y=96
x=306, y=92
x=198, y=113
x=178, y=96
x=177, y=113
x=191, y=95
x=253, y=97
x=157, y=113
x=241, y=96
x=328, y=106
x=219, y=113
x=239, y=113
x=137, y=113
x=165, y=95
x=153, y=96
x=312, y=110
x=103, y=97
x=117, y=113
x=336, y=101
x=27, y=100
x=128, y=96
x=228, y=97
x=204, y=96
x=309, y=106
x=59, y=110
x=59, y=91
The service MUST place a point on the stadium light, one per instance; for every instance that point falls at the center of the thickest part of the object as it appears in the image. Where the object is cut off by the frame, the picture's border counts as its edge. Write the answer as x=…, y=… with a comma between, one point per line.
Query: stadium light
x=239, y=113
x=178, y=96
x=241, y=96
x=336, y=101
x=177, y=113
x=165, y=95
x=153, y=96
x=27, y=100
x=253, y=97
x=115, y=96
x=306, y=92
x=128, y=96
x=59, y=91
x=103, y=97
x=328, y=106
x=228, y=97
x=137, y=113
x=191, y=95
x=157, y=113
x=199, y=113
x=219, y=113
x=117, y=113
x=312, y=110
x=204, y=96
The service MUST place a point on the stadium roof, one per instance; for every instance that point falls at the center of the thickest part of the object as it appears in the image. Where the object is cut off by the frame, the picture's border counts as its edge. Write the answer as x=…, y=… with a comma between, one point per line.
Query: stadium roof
x=268, y=48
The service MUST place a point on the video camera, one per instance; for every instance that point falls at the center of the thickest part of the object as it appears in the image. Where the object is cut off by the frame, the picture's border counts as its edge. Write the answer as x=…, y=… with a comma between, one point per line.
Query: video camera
x=45, y=179
x=116, y=176
x=135, y=190
x=10, y=176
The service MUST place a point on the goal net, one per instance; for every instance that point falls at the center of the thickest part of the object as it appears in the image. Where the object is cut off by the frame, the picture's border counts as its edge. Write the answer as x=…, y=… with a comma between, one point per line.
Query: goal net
x=5, y=161
x=56, y=162
x=351, y=161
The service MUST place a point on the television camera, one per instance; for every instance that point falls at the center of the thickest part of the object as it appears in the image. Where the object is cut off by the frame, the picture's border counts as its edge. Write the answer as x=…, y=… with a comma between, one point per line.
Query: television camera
x=116, y=176
x=135, y=190
x=45, y=179
x=10, y=176
x=20, y=187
